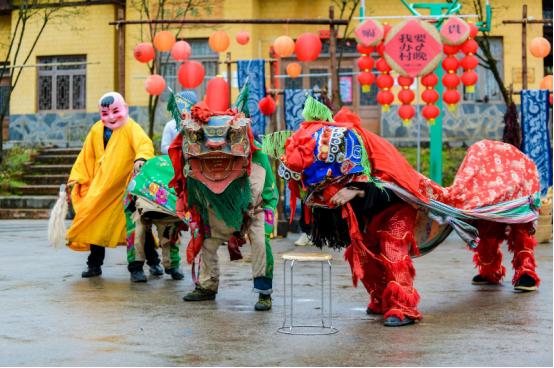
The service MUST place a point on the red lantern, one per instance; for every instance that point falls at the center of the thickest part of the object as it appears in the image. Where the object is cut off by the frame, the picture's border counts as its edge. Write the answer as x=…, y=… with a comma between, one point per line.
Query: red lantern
x=469, y=79
x=430, y=112
x=219, y=41
x=385, y=81
x=405, y=81
x=451, y=80
x=470, y=47
x=191, y=74
x=164, y=41
x=242, y=37
x=181, y=51
x=267, y=105
x=406, y=96
x=308, y=47
x=450, y=49
x=366, y=79
x=430, y=96
x=540, y=47
x=155, y=85
x=381, y=48
x=144, y=52
x=469, y=62
x=429, y=80
x=283, y=46
x=473, y=30
x=365, y=63
x=385, y=99
x=364, y=50
x=406, y=112
x=451, y=97
x=217, y=94
x=382, y=65
x=450, y=63
x=294, y=70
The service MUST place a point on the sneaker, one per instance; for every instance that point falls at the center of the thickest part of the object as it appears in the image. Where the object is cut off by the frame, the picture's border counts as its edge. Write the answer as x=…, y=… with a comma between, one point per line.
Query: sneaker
x=199, y=294
x=176, y=273
x=525, y=283
x=138, y=276
x=264, y=303
x=156, y=270
x=393, y=321
x=480, y=280
x=303, y=241
x=92, y=271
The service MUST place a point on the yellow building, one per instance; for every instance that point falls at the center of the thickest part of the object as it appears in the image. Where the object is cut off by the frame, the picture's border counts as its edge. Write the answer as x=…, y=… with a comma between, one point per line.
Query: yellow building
x=56, y=104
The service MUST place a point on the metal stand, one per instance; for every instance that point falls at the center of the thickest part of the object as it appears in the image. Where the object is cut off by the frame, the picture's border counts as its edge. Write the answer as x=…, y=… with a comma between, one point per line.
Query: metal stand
x=288, y=326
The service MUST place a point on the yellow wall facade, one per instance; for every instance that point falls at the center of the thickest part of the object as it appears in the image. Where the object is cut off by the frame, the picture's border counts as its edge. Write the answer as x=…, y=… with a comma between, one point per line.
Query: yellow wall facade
x=86, y=33
x=90, y=34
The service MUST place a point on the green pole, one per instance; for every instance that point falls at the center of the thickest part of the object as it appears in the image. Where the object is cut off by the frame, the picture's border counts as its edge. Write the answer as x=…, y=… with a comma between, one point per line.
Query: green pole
x=437, y=9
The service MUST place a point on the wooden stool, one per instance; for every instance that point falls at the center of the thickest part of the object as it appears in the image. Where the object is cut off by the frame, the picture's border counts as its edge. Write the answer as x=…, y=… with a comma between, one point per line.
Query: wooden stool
x=291, y=328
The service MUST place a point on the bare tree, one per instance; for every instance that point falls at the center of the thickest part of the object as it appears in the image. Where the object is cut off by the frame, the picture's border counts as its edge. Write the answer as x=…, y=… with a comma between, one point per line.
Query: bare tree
x=168, y=10
x=29, y=12
x=512, y=129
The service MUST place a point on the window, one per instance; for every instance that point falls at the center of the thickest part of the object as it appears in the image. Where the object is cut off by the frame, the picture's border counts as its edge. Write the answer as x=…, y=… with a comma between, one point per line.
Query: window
x=487, y=89
x=201, y=52
x=62, y=87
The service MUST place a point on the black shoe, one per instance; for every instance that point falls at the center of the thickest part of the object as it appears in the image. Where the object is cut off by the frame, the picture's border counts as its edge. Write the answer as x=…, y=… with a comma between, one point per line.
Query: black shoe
x=525, y=283
x=176, y=273
x=138, y=276
x=480, y=280
x=393, y=321
x=156, y=270
x=371, y=312
x=199, y=295
x=92, y=271
x=264, y=303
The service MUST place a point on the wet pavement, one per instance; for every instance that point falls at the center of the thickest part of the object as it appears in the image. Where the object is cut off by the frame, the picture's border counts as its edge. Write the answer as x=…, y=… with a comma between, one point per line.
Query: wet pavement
x=51, y=316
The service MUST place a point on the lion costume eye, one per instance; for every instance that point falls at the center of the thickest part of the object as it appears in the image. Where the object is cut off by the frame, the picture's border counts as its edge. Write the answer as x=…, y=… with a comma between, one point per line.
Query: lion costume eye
x=196, y=135
x=234, y=136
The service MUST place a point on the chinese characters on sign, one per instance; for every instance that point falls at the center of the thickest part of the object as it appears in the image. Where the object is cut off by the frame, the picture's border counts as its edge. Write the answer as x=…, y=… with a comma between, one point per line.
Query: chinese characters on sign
x=413, y=48
x=454, y=31
x=369, y=33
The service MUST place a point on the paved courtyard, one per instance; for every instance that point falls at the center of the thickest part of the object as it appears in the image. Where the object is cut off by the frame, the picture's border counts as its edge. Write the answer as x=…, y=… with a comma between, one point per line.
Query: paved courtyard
x=52, y=317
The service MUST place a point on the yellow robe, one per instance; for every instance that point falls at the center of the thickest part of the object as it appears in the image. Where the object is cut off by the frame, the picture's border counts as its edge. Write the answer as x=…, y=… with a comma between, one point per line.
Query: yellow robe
x=102, y=176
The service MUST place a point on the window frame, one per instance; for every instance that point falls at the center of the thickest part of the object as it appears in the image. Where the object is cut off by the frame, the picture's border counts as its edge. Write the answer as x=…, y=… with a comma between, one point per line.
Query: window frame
x=55, y=72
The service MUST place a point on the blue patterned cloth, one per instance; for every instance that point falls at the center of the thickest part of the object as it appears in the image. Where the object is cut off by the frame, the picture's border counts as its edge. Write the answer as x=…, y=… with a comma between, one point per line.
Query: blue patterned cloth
x=254, y=71
x=294, y=104
x=534, y=127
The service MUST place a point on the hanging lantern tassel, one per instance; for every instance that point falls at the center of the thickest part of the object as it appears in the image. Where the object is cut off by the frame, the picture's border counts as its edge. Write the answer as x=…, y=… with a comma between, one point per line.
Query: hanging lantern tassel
x=430, y=96
x=469, y=62
x=406, y=96
x=366, y=79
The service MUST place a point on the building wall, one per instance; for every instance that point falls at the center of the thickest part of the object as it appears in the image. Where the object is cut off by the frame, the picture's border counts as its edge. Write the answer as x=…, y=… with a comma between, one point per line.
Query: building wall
x=89, y=33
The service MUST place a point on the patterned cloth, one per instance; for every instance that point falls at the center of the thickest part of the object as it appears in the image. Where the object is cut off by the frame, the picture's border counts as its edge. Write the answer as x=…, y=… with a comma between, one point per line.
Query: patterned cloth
x=294, y=104
x=535, y=140
x=254, y=71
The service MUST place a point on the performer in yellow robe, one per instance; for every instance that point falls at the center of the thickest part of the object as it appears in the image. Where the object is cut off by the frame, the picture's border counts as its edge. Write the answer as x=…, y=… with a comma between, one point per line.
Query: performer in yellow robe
x=114, y=148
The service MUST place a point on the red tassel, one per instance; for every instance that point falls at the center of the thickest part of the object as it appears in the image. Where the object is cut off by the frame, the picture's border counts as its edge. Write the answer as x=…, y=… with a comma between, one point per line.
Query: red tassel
x=400, y=301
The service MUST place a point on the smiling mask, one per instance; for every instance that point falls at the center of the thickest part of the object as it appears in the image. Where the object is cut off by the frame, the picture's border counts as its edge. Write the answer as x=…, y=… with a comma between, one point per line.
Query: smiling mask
x=113, y=110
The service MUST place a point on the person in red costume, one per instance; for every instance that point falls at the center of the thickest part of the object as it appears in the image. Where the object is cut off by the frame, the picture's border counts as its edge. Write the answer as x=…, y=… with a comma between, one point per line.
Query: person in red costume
x=362, y=194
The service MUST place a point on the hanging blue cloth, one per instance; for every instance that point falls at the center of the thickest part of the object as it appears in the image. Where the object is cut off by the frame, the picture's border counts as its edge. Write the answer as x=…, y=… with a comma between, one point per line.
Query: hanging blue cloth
x=534, y=130
x=294, y=104
x=254, y=71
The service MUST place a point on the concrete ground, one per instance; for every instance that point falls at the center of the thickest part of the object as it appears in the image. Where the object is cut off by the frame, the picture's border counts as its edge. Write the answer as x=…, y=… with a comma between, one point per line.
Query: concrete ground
x=52, y=317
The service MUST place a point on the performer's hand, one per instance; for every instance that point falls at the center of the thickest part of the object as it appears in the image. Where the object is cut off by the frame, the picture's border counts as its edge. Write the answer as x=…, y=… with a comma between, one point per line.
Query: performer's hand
x=345, y=195
x=138, y=166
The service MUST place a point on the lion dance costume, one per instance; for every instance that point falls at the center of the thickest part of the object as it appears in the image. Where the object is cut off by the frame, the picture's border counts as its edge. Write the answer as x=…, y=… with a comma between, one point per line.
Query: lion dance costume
x=225, y=190
x=403, y=214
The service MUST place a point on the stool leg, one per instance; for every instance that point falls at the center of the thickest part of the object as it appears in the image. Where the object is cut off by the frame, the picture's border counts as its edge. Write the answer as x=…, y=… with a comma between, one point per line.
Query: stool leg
x=284, y=293
x=291, y=294
x=330, y=295
x=322, y=298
